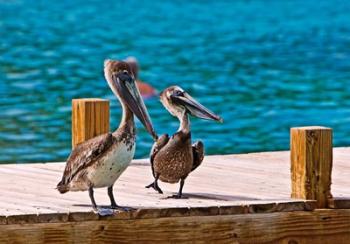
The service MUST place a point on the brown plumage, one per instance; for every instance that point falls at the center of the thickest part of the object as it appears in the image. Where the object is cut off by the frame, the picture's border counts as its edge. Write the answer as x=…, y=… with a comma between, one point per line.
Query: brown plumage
x=90, y=155
x=198, y=154
x=100, y=161
x=172, y=159
x=81, y=158
x=172, y=168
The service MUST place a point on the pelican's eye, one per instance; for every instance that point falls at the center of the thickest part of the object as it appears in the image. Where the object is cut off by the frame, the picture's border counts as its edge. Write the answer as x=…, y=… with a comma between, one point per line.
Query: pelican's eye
x=178, y=93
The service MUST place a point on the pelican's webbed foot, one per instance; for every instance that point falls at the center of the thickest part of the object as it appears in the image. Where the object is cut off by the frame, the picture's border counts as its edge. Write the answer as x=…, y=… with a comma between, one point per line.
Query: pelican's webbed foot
x=155, y=186
x=97, y=210
x=104, y=211
x=179, y=194
x=114, y=205
x=121, y=208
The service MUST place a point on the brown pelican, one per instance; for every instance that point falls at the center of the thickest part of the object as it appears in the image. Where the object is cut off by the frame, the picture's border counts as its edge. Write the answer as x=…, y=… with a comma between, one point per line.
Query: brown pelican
x=100, y=161
x=145, y=89
x=173, y=158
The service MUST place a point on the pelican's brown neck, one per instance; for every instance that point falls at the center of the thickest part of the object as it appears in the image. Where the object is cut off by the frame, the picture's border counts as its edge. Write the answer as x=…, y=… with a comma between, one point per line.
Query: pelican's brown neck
x=184, y=122
x=127, y=120
x=128, y=115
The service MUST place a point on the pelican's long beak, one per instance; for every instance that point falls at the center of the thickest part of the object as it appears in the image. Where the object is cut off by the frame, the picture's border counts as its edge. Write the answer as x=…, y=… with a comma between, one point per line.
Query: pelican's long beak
x=128, y=90
x=194, y=107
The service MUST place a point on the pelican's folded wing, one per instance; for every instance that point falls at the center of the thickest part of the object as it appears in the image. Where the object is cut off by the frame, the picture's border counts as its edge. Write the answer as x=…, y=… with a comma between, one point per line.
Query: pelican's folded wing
x=157, y=146
x=198, y=154
x=86, y=154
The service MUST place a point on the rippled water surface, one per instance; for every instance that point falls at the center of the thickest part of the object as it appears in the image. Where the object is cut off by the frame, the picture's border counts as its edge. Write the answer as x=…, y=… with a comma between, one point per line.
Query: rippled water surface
x=264, y=66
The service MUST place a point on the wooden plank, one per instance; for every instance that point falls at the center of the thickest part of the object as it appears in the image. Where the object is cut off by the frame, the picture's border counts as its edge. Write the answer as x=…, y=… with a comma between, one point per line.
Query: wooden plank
x=340, y=203
x=311, y=163
x=27, y=217
x=222, y=184
x=90, y=118
x=320, y=226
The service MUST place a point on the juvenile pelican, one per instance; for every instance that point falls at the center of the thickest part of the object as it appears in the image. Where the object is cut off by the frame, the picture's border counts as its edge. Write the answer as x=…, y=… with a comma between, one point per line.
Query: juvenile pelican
x=173, y=158
x=100, y=161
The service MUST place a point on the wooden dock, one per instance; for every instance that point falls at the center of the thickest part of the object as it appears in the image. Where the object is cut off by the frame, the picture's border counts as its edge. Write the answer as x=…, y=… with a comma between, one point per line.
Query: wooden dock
x=234, y=198
x=302, y=196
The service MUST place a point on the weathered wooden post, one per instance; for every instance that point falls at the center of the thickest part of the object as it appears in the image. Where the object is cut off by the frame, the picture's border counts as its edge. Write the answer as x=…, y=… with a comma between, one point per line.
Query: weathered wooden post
x=90, y=118
x=311, y=163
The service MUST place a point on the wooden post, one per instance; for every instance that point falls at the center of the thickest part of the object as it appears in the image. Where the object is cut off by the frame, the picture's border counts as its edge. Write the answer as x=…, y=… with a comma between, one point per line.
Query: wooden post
x=90, y=118
x=311, y=163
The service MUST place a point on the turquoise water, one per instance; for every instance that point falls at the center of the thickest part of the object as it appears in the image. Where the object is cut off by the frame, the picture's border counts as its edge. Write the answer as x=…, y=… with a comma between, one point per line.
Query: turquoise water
x=264, y=66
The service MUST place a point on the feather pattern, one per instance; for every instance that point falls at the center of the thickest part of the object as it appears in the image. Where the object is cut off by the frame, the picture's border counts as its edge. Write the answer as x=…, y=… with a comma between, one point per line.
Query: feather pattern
x=174, y=160
x=157, y=146
x=198, y=154
x=86, y=153
x=98, y=162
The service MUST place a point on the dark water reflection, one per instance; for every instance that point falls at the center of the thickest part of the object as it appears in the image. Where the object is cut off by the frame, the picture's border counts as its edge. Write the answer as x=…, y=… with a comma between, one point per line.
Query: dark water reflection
x=265, y=66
